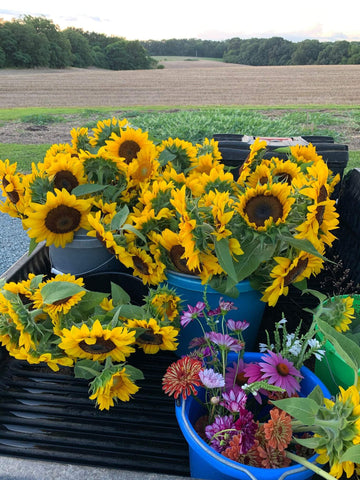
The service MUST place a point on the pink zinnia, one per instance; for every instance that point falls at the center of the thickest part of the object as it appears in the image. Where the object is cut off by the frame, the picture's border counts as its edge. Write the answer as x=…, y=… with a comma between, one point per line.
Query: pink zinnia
x=280, y=372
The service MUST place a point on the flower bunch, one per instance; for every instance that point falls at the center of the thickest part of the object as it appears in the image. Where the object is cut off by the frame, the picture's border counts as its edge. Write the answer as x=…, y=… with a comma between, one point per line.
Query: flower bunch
x=161, y=205
x=254, y=408
x=58, y=322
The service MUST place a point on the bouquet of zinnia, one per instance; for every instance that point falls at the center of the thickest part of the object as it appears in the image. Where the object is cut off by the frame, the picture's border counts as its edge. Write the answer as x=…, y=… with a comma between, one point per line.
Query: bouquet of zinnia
x=253, y=411
x=58, y=322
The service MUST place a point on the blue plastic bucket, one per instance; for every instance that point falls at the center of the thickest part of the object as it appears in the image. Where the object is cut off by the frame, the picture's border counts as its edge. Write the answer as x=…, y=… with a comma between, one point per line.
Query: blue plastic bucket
x=248, y=303
x=207, y=464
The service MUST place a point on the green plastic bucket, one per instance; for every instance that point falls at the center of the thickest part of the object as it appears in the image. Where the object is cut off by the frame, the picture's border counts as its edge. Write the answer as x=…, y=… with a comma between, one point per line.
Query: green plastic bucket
x=332, y=369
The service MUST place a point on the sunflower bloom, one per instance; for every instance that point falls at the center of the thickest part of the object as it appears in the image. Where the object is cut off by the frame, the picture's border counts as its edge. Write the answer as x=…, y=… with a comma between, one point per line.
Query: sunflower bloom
x=58, y=219
x=97, y=343
x=154, y=337
x=119, y=386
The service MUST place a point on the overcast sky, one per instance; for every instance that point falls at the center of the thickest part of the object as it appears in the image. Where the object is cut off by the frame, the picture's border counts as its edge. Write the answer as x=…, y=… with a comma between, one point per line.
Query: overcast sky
x=204, y=19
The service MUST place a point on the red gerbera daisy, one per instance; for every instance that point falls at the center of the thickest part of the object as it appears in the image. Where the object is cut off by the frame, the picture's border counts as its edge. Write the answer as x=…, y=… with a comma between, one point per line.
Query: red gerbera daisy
x=182, y=377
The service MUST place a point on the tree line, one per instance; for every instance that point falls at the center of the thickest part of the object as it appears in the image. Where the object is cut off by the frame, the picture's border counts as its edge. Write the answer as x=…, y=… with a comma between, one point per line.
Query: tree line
x=32, y=42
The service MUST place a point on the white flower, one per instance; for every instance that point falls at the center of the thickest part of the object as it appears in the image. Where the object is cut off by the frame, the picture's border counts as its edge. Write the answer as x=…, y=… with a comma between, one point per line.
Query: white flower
x=315, y=344
x=281, y=322
x=263, y=347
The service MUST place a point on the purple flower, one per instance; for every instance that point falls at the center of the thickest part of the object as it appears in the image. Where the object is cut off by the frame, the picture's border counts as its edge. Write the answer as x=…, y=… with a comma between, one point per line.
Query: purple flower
x=211, y=379
x=224, y=340
x=234, y=400
x=226, y=306
x=220, y=432
x=248, y=427
x=280, y=372
x=238, y=326
x=234, y=377
x=253, y=372
x=192, y=313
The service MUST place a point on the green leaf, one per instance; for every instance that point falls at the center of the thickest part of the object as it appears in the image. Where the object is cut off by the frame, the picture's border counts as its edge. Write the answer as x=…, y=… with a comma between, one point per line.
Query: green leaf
x=254, y=254
x=352, y=454
x=301, y=244
x=223, y=254
x=317, y=395
x=312, y=443
x=134, y=373
x=303, y=409
x=54, y=291
x=119, y=295
x=91, y=299
x=120, y=218
x=132, y=311
x=87, y=189
x=32, y=245
x=165, y=157
x=87, y=369
x=131, y=228
x=344, y=346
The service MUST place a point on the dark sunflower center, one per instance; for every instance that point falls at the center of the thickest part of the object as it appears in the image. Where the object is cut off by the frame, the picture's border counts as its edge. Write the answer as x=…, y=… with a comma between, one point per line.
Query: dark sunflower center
x=150, y=338
x=12, y=196
x=285, y=177
x=320, y=210
x=128, y=150
x=61, y=302
x=296, y=271
x=282, y=369
x=62, y=219
x=176, y=252
x=140, y=265
x=100, y=346
x=262, y=207
x=65, y=179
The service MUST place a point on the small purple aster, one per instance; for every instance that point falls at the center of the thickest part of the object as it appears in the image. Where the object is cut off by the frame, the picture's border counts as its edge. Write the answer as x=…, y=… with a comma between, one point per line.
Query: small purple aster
x=226, y=306
x=192, y=313
x=238, y=326
x=224, y=340
x=211, y=379
x=220, y=432
x=234, y=400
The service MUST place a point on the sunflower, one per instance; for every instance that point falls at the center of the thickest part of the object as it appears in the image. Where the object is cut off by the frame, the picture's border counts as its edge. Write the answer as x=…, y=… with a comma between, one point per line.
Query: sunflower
x=209, y=147
x=183, y=153
x=144, y=265
x=171, y=242
x=265, y=205
x=285, y=171
x=66, y=172
x=288, y=271
x=106, y=237
x=256, y=150
x=261, y=175
x=97, y=343
x=128, y=144
x=58, y=219
x=338, y=312
x=154, y=337
x=118, y=386
x=52, y=361
x=60, y=306
x=218, y=202
x=166, y=302
x=13, y=188
x=104, y=129
x=305, y=154
x=158, y=198
x=144, y=166
x=80, y=138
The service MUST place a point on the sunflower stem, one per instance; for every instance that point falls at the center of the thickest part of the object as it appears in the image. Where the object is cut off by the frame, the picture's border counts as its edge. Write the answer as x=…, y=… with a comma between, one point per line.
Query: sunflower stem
x=309, y=465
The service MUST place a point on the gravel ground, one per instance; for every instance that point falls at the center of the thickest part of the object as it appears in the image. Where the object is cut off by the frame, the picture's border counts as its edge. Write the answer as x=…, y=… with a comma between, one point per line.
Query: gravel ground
x=14, y=241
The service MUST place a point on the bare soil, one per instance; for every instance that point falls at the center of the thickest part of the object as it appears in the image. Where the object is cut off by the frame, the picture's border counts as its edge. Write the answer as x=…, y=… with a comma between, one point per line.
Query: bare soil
x=180, y=83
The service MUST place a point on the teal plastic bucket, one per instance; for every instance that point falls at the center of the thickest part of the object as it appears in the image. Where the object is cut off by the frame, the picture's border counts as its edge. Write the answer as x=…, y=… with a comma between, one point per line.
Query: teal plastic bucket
x=207, y=464
x=248, y=303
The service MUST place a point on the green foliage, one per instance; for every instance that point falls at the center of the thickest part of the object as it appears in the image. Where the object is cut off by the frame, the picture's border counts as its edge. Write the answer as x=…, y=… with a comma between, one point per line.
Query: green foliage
x=42, y=119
